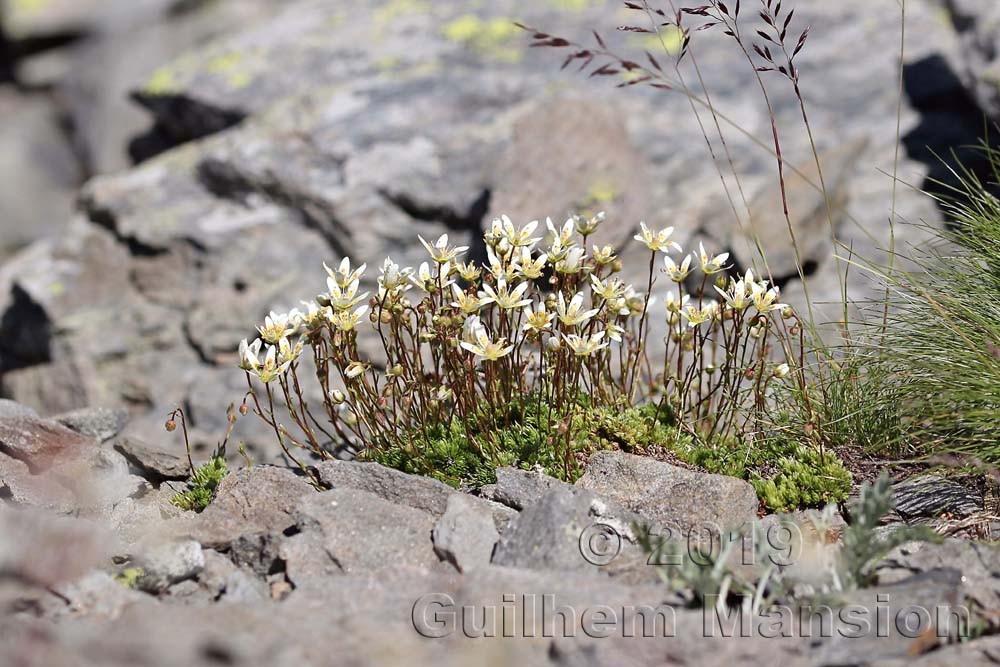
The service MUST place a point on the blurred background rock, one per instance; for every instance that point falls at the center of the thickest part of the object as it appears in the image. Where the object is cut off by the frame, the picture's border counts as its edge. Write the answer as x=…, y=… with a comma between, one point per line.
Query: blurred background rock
x=173, y=169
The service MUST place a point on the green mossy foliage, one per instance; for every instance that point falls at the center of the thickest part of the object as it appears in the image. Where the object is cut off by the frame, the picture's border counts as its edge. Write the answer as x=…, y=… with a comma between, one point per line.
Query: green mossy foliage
x=202, y=485
x=786, y=475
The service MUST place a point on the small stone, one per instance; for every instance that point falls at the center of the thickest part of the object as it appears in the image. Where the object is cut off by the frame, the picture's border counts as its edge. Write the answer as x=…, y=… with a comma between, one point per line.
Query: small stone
x=153, y=464
x=465, y=534
x=669, y=496
x=169, y=563
x=518, y=488
x=102, y=424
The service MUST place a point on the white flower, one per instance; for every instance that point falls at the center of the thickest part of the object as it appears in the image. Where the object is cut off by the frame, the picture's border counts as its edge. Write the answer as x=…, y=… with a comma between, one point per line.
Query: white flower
x=345, y=320
x=562, y=236
x=500, y=268
x=355, y=369
x=469, y=272
x=739, y=296
x=587, y=226
x=505, y=297
x=538, y=320
x=584, y=346
x=467, y=303
x=573, y=314
x=393, y=277
x=781, y=371
x=711, y=265
x=614, y=332
x=677, y=272
x=344, y=275
x=604, y=255
x=657, y=240
x=697, y=316
x=675, y=305
x=529, y=268
x=440, y=252
x=428, y=280
x=764, y=300
x=278, y=325
x=250, y=355
x=519, y=238
x=572, y=262
x=271, y=369
x=481, y=345
x=314, y=317
x=612, y=288
x=288, y=354
x=344, y=298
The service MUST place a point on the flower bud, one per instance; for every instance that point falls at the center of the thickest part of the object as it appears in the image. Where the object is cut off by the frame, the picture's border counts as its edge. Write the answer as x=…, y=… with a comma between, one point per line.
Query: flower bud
x=244, y=410
x=338, y=397
x=171, y=426
x=781, y=371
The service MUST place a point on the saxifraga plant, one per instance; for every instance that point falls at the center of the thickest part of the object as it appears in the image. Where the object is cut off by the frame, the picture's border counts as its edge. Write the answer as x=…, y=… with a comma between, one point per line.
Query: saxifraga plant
x=467, y=348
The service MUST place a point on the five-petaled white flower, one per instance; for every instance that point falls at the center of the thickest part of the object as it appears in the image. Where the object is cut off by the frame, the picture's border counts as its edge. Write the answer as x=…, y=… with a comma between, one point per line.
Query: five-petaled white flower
x=503, y=296
x=572, y=314
x=343, y=274
x=711, y=265
x=429, y=281
x=345, y=320
x=478, y=342
x=393, y=277
x=764, y=300
x=537, y=320
x=657, y=240
x=612, y=288
x=584, y=346
x=587, y=226
x=677, y=272
x=468, y=271
x=519, y=238
x=464, y=301
x=278, y=325
x=572, y=263
x=344, y=298
x=314, y=317
x=250, y=355
x=564, y=235
x=739, y=297
x=440, y=252
x=697, y=316
x=604, y=255
x=531, y=269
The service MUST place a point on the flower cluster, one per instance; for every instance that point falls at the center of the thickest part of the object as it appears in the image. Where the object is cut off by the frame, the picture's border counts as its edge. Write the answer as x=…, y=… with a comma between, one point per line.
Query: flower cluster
x=545, y=315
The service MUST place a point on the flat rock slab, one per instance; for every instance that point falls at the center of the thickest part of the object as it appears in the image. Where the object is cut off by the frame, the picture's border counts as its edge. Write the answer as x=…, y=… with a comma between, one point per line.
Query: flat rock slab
x=555, y=533
x=933, y=496
x=518, y=488
x=249, y=501
x=360, y=532
x=465, y=534
x=422, y=493
x=154, y=464
x=40, y=442
x=670, y=496
x=99, y=423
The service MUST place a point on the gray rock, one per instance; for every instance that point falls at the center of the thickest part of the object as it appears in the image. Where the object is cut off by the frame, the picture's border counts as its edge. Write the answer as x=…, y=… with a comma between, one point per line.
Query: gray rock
x=248, y=502
x=10, y=409
x=38, y=169
x=979, y=564
x=556, y=532
x=670, y=496
x=40, y=443
x=41, y=549
x=166, y=564
x=102, y=424
x=96, y=596
x=360, y=532
x=465, y=534
x=931, y=496
x=422, y=493
x=518, y=488
x=153, y=464
x=978, y=25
